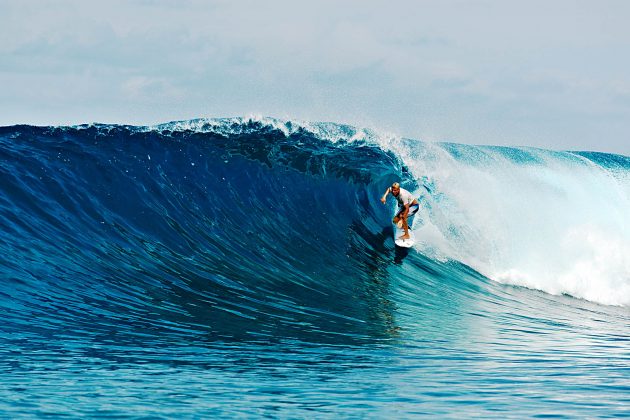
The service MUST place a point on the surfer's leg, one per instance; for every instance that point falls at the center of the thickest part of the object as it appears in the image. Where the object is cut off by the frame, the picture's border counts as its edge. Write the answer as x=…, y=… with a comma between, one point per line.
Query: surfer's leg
x=406, y=227
x=412, y=210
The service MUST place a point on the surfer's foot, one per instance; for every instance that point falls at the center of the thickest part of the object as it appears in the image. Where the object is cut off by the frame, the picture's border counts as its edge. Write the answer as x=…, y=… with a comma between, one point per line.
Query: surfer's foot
x=405, y=237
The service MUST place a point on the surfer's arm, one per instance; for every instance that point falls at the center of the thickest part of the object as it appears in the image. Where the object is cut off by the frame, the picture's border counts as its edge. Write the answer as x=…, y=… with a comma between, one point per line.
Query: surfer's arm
x=385, y=195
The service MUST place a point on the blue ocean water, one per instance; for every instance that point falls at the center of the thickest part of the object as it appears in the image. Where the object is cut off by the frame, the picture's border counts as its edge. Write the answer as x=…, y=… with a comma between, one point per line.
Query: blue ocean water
x=246, y=267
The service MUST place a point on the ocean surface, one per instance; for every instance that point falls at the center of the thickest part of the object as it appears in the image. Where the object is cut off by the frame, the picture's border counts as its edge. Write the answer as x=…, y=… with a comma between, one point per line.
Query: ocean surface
x=246, y=268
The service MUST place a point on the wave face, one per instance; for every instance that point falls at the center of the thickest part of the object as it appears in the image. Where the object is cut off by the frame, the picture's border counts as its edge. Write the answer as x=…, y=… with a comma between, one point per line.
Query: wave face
x=253, y=256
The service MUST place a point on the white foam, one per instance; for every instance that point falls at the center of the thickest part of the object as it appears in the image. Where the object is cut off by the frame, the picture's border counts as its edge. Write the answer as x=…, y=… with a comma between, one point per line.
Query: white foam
x=238, y=125
x=554, y=221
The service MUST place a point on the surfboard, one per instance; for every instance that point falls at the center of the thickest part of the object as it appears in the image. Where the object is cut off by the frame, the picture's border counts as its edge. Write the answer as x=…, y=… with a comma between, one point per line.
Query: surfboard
x=398, y=232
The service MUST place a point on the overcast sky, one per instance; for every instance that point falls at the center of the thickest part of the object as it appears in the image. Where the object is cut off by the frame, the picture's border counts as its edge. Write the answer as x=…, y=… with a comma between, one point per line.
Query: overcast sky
x=552, y=74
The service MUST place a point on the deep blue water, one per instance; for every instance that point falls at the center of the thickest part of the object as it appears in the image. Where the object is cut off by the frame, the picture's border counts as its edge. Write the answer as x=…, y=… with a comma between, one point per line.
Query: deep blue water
x=247, y=268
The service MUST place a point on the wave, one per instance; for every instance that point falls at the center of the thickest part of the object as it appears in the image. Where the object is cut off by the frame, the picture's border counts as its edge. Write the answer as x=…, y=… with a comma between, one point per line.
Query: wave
x=260, y=228
x=188, y=230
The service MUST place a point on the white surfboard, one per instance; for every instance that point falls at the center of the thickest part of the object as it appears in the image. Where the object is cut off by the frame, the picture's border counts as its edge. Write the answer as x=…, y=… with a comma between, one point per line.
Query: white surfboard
x=405, y=243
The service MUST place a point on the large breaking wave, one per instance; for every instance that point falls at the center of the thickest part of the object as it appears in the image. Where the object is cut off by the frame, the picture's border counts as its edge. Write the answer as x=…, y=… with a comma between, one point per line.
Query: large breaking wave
x=259, y=228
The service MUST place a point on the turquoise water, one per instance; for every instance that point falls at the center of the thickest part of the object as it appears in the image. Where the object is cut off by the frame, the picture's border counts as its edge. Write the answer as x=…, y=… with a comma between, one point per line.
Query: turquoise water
x=162, y=272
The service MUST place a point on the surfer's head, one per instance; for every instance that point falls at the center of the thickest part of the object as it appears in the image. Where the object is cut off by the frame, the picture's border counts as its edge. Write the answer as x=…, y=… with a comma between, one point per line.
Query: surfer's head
x=395, y=188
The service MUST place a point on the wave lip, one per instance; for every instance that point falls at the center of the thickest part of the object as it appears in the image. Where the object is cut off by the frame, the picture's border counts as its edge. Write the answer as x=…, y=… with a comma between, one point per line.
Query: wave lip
x=328, y=131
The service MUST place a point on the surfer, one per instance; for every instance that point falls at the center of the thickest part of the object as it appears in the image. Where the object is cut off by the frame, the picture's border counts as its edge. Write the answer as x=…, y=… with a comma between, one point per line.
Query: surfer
x=407, y=203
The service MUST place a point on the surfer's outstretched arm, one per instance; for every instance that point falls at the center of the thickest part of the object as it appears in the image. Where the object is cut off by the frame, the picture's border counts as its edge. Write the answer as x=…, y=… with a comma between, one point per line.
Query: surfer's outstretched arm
x=384, y=198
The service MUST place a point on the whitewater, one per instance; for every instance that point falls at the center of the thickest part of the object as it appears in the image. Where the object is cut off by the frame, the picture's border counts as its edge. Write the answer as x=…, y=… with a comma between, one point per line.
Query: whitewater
x=246, y=267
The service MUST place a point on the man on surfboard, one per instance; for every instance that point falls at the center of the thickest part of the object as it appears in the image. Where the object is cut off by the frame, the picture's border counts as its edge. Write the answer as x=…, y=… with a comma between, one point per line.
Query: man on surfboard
x=407, y=203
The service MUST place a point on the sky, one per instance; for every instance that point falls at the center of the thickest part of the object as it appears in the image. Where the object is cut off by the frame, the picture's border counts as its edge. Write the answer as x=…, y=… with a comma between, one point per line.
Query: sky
x=550, y=74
